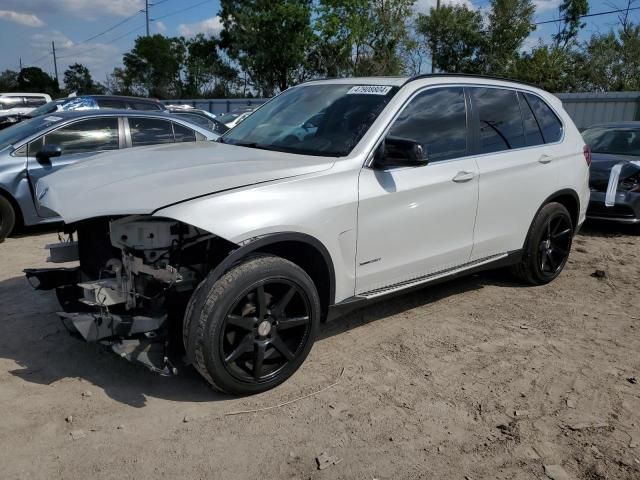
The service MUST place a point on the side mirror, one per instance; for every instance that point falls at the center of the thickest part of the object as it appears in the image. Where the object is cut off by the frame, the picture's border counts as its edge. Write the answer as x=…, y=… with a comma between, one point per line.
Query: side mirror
x=397, y=151
x=49, y=151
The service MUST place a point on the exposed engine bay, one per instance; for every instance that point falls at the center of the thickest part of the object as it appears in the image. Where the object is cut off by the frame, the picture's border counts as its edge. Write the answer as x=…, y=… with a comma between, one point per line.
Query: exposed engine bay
x=134, y=279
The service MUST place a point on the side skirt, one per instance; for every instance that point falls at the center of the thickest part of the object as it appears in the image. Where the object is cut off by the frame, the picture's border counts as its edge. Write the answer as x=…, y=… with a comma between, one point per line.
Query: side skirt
x=358, y=301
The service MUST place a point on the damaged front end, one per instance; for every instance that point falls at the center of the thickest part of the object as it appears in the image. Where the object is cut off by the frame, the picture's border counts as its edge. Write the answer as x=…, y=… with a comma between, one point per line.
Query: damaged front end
x=134, y=279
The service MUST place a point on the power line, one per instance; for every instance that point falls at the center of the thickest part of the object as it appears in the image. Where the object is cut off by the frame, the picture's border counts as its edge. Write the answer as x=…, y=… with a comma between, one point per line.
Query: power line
x=588, y=15
x=180, y=11
x=111, y=41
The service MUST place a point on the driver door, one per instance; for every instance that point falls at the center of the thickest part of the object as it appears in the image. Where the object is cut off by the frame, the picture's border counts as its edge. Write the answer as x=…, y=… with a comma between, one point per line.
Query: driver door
x=416, y=221
x=79, y=140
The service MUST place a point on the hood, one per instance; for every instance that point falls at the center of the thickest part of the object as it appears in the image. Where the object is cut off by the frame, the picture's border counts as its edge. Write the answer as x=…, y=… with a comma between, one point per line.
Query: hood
x=144, y=179
x=602, y=164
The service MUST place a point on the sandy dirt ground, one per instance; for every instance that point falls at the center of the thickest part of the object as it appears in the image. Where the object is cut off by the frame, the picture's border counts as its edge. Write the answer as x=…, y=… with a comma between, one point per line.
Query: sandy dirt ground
x=479, y=378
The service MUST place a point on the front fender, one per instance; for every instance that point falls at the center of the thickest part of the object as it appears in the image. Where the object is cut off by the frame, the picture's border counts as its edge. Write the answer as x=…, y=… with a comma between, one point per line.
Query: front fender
x=322, y=207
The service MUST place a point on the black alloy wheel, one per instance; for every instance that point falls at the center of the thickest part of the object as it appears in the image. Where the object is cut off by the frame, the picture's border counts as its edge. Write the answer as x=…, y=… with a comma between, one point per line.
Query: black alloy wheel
x=265, y=329
x=555, y=244
x=547, y=246
x=250, y=329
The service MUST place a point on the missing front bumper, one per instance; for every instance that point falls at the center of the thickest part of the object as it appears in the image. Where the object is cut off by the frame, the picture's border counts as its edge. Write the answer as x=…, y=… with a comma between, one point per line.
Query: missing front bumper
x=139, y=339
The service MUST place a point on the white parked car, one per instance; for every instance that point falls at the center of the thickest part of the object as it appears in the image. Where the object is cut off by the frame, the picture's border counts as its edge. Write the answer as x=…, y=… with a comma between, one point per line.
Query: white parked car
x=21, y=103
x=235, y=251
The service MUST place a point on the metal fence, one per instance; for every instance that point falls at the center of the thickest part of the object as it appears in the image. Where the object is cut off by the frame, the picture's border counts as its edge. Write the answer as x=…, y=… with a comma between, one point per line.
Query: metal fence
x=586, y=109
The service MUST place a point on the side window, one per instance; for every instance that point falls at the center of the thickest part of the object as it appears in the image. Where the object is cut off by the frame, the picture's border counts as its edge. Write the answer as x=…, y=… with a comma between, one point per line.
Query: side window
x=144, y=106
x=150, y=131
x=437, y=119
x=550, y=124
x=183, y=134
x=91, y=135
x=108, y=103
x=197, y=119
x=11, y=102
x=34, y=101
x=35, y=146
x=531, y=127
x=500, y=119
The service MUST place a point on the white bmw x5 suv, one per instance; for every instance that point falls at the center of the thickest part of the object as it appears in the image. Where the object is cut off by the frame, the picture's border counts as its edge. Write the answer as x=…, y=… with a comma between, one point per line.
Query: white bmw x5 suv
x=228, y=255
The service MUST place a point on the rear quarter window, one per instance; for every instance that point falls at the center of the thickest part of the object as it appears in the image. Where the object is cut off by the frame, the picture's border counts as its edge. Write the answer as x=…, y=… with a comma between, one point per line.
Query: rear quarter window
x=549, y=122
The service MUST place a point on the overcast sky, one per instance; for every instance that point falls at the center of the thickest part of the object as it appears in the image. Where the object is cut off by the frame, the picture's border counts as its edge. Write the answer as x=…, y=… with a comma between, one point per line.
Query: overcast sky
x=27, y=27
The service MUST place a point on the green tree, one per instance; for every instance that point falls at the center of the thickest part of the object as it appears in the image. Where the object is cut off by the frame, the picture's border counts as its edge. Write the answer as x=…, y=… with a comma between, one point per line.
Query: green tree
x=509, y=24
x=612, y=60
x=361, y=37
x=551, y=67
x=270, y=39
x=34, y=79
x=154, y=67
x=77, y=78
x=454, y=36
x=570, y=11
x=8, y=81
x=206, y=70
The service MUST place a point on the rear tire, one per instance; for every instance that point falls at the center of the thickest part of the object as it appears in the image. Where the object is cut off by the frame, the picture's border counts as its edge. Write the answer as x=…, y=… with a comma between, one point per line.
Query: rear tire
x=254, y=326
x=7, y=218
x=547, y=246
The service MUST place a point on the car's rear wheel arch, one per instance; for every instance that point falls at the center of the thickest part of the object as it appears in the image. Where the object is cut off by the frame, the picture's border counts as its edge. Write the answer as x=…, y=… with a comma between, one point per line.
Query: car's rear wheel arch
x=570, y=200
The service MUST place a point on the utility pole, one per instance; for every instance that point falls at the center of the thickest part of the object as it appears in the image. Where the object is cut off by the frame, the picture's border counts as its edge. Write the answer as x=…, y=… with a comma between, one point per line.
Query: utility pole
x=20, y=63
x=55, y=61
x=146, y=11
x=433, y=67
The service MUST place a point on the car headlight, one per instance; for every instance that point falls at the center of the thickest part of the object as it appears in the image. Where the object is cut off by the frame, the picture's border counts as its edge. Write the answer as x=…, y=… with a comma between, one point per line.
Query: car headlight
x=630, y=184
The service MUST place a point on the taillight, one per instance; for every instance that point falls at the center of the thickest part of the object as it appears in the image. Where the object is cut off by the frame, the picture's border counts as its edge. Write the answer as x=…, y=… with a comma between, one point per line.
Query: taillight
x=587, y=154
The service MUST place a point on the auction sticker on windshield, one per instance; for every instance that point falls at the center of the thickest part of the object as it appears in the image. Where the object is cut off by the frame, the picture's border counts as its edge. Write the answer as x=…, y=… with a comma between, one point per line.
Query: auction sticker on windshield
x=53, y=119
x=369, y=90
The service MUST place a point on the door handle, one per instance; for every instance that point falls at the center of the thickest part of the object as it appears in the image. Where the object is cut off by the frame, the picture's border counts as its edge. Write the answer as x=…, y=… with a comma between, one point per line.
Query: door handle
x=462, y=177
x=545, y=159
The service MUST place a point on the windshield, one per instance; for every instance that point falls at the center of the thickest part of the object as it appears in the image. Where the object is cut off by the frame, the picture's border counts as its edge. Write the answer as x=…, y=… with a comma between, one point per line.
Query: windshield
x=322, y=119
x=617, y=141
x=22, y=130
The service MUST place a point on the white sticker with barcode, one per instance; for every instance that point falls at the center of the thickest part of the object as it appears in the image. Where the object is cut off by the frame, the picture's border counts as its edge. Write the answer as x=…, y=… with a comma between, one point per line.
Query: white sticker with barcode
x=369, y=90
x=53, y=119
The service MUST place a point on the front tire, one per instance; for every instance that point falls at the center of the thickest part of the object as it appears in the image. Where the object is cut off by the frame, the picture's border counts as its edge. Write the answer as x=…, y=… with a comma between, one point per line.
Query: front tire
x=7, y=218
x=547, y=246
x=255, y=325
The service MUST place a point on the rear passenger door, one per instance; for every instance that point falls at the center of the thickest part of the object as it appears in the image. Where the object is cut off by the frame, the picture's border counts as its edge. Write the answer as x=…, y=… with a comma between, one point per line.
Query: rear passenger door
x=517, y=168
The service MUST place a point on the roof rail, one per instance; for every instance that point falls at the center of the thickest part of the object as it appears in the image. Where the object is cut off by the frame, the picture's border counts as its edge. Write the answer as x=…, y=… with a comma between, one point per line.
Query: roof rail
x=468, y=75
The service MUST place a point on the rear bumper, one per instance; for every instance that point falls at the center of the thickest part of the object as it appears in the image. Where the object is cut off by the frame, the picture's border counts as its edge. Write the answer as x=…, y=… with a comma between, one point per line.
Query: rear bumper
x=625, y=210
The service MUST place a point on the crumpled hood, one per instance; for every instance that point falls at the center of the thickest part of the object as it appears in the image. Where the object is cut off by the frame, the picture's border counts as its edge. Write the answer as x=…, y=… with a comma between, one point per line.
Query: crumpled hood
x=142, y=180
x=602, y=164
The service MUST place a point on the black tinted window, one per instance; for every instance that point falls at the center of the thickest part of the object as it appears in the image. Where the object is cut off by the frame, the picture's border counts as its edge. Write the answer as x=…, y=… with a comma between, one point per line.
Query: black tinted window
x=500, y=119
x=145, y=106
x=183, y=134
x=549, y=122
x=150, y=131
x=531, y=127
x=437, y=120
x=34, y=101
x=108, y=103
x=86, y=136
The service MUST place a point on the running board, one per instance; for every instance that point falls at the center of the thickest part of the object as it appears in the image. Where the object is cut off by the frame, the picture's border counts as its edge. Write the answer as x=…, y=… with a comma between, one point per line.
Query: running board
x=431, y=277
